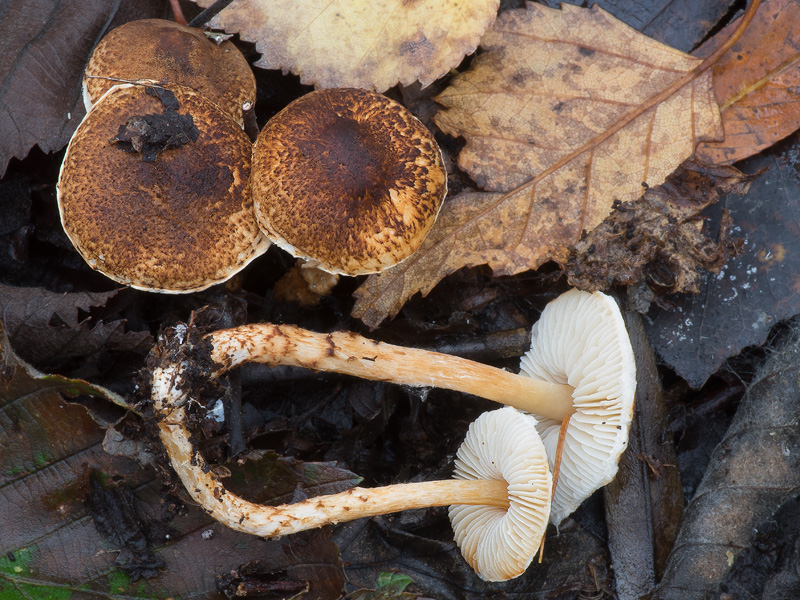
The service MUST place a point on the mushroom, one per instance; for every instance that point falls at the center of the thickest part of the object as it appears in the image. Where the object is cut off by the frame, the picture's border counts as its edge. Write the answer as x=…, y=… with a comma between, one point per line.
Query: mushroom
x=501, y=479
x=581, y=340
x=348, y=180
x=153, y=191
x=579, y=377
x=165, y=51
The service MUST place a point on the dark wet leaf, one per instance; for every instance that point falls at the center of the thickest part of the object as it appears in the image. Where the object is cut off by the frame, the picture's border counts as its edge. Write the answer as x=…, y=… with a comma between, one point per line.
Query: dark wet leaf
x=768, y=568
x=315, y=572
x=46, y=328
x=644, y=504
x=680, y=23
x=115, y=517
x=752, y=473
x=659, y=239
x=754, y=290
x=45, y=46
x=419, y=544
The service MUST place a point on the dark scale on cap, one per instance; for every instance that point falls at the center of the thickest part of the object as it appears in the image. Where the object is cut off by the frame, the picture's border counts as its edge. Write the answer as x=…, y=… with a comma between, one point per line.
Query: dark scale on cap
x=180, y=223
x=348, y=179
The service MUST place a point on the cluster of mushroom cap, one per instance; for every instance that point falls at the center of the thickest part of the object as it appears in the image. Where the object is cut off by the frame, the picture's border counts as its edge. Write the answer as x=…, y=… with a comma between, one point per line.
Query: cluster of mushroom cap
x=578, y=380
x=346, y=179
x=154, y=190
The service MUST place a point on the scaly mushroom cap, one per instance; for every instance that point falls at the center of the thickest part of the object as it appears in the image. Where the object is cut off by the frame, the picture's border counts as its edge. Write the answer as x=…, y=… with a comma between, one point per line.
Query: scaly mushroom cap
x=178, y=223
x=500, y=544
x=348, y=180
x=581, y=340
x=167, y=52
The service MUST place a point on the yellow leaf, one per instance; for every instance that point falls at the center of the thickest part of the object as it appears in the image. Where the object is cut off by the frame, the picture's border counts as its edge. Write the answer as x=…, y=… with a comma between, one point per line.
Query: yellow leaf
x=370, y=44
x=567, y=112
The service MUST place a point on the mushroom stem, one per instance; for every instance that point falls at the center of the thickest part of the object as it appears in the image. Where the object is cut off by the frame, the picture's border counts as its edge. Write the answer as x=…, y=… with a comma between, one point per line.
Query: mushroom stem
x=268, y=521
x=352, y=354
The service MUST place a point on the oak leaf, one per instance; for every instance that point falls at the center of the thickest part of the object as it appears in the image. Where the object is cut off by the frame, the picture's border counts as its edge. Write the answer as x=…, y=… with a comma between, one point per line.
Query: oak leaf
x=757, y=83
x=567, y=112
x=371, y=44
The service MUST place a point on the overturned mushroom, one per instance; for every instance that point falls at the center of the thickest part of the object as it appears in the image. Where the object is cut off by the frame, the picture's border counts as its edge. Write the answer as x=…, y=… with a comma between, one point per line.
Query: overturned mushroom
x=501, y=472
x=580, y=340
x=579, y=377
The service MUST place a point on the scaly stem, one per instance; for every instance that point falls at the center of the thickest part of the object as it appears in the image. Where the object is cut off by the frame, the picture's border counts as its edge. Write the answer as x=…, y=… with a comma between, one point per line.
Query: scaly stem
x=352, y=354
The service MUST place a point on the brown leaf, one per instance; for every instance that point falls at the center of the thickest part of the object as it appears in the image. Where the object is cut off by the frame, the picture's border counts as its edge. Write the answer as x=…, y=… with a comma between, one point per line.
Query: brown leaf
x=570, y=110
x=553, y=85
x=45, y=326
x=757, y=83
x=45, y=46
x=659, y=239
x=357, y=43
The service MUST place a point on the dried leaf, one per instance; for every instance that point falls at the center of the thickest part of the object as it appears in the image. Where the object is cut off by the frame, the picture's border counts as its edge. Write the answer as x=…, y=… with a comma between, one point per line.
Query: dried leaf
x=753, y=471
x=756, y=289
x=371, y=44
x=552, y=84
x=659, y=239
x=45, y=46
x=46, y=327
x=757, y=83
x=562, y=110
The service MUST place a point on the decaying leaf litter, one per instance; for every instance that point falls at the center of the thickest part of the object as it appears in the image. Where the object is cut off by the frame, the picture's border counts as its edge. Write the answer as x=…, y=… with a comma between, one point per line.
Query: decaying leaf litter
x=363, y=426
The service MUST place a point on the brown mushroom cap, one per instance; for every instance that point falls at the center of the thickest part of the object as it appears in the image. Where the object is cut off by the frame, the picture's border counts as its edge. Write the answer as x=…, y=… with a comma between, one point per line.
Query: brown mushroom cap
x=171, y=53
x=177, y=224
x=347, y=179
